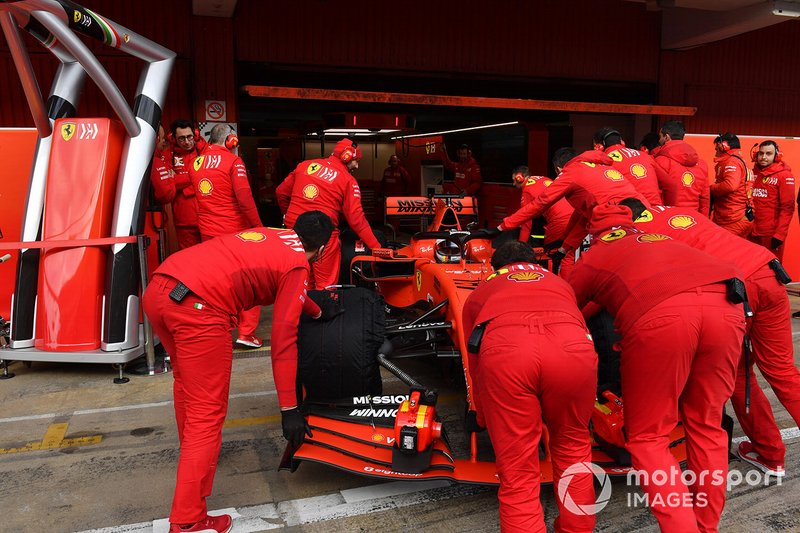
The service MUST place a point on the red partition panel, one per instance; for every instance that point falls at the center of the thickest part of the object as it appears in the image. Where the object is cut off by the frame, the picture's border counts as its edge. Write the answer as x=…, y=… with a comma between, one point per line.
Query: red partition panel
x=79, y=203
x=704, y=144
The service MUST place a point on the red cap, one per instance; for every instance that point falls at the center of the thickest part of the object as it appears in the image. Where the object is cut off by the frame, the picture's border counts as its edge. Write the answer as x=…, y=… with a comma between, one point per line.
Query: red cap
x=605, y=217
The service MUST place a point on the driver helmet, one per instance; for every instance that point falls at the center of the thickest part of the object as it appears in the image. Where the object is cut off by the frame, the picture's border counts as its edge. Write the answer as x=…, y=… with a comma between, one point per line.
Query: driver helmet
x=447, y=251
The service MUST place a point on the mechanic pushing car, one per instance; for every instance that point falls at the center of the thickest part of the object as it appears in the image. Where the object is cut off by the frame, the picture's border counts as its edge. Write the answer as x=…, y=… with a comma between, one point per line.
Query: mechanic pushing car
x=535, y=362
x=327, y=185
x=637, y=167
x=585, y=181
x=770, y=328
x=191, y=302
x=658, y=288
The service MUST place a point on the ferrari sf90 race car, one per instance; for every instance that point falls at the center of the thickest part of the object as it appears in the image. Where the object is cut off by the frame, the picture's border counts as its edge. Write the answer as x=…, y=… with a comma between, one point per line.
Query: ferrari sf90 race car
x=404, y=305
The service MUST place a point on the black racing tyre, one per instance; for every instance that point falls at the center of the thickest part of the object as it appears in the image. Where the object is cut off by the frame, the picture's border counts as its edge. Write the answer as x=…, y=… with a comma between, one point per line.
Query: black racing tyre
x=601, y=326
x=338, y=358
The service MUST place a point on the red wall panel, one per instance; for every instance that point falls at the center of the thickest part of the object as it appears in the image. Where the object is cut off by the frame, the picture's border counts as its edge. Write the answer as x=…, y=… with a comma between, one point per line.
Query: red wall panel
x=545, y=38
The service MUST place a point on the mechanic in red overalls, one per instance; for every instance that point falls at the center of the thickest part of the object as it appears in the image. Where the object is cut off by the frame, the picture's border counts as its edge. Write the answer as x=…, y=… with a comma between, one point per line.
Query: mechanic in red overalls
x=556, y=216
x=684, y=182
x=585, y=181
x=225, y=205
x=185, y=145
x=681, y=341
x=397, y=181
x=773, y=198
x=730, y=191
x=466, y=171
x=770, y=328
x=192, y=302
x=162, y=176
x=637, y=167
x=327, y=185
x=536, y=362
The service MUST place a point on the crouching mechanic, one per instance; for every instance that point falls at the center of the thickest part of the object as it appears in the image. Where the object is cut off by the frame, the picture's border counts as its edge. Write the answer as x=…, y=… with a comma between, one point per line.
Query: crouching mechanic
x=536, y=363
x=681, y=338
x=192, y=302
x=327, y=185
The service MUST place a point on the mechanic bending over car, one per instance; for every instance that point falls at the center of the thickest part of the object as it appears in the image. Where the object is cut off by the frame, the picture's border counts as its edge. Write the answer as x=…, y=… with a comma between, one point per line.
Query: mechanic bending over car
x=535, y=362
x=192, y=303
x=327, y=185
x=681, y=341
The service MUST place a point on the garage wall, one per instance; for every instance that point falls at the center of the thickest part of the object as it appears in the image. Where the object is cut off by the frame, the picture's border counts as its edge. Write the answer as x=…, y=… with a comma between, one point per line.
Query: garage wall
x=748, y=84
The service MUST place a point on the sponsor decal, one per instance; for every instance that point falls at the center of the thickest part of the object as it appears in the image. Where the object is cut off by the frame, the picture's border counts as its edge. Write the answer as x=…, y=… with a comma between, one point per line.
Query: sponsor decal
x=379, y=437
x=548, y=183
x=419, y=280
x=291, y=239
x=653, y=237
x=588, y=164
x=682, y=222
x=205, y=186
x=88, y=131
x=760, y=193
x=198, y=162
x=614, y=175
x=312, y=168
x=387, y=399
x=530, y=181
x=525, y=277
x=687, y=179
x=616, y=156
x=67, y=130
x=372, y=469
x=310, y=192
x=613, y=235
x=646, y=216
x=422, y=325
x=638, y=170
x=252, y=236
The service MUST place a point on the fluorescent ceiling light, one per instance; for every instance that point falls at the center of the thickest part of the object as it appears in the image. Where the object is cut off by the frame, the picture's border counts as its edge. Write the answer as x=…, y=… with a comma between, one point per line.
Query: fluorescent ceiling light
x=455, y=131
x=355, y=131
x=785, y=8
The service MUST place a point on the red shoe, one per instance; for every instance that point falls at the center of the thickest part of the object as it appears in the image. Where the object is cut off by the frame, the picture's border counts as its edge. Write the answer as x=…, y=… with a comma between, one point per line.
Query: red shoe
x=210, y=524
x=249, y=341
x=748, y=454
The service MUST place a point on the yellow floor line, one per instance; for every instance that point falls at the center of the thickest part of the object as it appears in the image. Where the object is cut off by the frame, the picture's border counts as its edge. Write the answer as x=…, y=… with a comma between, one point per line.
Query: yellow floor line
x=54, y=439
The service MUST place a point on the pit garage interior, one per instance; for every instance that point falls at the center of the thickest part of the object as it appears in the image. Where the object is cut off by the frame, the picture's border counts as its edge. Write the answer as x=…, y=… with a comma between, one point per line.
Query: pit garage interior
x=514, y=80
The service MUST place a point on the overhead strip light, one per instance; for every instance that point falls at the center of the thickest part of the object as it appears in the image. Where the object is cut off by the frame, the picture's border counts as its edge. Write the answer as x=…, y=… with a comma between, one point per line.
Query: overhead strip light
x=360, y=132
x=455, y=131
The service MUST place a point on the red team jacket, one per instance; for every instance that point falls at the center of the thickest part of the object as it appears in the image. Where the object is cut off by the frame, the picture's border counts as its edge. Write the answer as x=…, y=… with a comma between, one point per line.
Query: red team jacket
x=397, y=182
x=585, y=181
x=730, y=188
x=224, y=199
x=773, y=200
x=467, y=175
x=699, y=232
x=685, y=179
x=161, y=178
x=639, y=169
x=556, y=216
x=628, y=272
x=184, y=205
x=260, y=266
x=327, y=186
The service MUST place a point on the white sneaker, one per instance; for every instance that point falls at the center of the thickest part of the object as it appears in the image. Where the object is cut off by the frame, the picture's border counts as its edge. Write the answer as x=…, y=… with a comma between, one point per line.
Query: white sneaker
x=249, y=341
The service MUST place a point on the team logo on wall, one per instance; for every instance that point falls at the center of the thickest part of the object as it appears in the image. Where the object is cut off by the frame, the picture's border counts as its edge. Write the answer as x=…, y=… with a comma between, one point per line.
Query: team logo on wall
x=526, y=276
x=67, y=130
x=682, y=222
x=205, y=186
x=638, y=171
x=614, y=175
x=252, y=236
x=613, y=235
x=687, y=179
x=310, y=192
x=313, y=168
x=652, y=237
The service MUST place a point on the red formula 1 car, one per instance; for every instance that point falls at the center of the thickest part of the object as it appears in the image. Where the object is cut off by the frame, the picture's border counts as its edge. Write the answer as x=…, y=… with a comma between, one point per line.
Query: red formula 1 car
x=424, y=284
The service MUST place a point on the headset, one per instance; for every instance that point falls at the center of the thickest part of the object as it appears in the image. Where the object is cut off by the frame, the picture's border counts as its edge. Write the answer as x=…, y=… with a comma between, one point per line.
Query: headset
x=349, y=153
x=519, y=177
x=601, y=146
x=754, y=152
x=232, y=140
x=723, y=144
x=171, y=137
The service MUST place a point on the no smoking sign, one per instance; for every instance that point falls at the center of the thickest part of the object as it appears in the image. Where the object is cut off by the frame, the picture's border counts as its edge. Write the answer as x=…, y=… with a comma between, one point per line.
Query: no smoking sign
x=216, y=111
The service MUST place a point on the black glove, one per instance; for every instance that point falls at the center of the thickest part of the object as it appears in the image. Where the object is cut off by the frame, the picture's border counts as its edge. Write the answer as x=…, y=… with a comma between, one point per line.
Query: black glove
x=491, y=233
x=775, y=243
x=555, y=245
x=557, y=255
x=294, y=426
x=471, y=422
x=330, y=307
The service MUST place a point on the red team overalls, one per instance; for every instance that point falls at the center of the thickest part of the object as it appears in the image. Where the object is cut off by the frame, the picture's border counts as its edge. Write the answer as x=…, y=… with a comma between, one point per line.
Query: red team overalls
x=773, y=205
x=684, y=182
x=639, y=169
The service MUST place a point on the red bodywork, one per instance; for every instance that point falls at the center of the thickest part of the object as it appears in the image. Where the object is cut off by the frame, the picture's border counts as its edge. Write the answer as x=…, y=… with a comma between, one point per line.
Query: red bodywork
x=359, y=437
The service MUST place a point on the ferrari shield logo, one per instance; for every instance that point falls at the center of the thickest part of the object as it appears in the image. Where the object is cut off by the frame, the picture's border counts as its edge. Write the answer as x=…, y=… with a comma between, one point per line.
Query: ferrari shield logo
x=419, y=280
x=646, y=216
x=613, y=235
x=251, y=236
x=198, y=162
x=313, y=167
x=67, y=130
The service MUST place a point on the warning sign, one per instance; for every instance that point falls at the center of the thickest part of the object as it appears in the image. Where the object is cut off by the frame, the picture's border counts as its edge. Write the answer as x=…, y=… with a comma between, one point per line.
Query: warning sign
x=216, y=111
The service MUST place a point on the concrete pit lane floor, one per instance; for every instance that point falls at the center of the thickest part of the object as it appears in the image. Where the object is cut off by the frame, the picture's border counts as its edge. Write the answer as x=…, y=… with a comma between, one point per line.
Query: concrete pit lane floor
x=78, y=452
